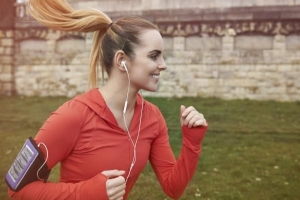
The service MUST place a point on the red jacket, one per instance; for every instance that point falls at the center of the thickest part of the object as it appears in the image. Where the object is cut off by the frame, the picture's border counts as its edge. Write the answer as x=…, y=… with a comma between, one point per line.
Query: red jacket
x=85, y=137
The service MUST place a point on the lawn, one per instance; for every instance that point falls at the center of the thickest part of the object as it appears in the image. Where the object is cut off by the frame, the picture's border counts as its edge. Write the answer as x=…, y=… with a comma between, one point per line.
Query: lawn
x=251, y=150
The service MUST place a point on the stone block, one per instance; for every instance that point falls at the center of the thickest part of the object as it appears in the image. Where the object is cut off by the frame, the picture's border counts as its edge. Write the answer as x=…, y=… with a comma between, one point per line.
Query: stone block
x=243, y=3
x=265, y=67
x=293, y=42
x=6, y=60
x=71, y=46
x=5, y=77
x=239, y=16
x=228, y=39
x=294, y=97
x=227, y=47
x=279, y=46
x=290, y=15
x=2, y=50
x=279, y=38
x=8, y=51
x=7, y=42
x=199, y=4
x=7, y=87
x=266, y=16
x=273, y=75
x=277, y=90
x=203, y=43
x=284, y=68
x=168, y=43
x=2, y=34
x=223, y=3
x=253, y=42
x=240, y=74
x=179, y=43
x=213, y=17
x=273, y=2
x=297, y=83
x=9, y=34
x=6, y=69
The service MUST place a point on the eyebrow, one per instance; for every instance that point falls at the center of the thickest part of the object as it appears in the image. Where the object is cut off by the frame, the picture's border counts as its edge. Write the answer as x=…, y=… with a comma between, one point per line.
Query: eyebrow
x=155, y=51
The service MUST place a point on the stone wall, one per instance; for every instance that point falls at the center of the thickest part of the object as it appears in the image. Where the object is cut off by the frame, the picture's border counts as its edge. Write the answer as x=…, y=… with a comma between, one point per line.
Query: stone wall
x=234, y=71
x=229, y=66
x=138, y=5
x=51, y=63
x=6, y=61
x=6, y=47
x=233, y=53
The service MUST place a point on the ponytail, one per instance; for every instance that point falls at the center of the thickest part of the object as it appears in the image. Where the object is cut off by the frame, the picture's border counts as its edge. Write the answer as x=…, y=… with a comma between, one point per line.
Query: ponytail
x=59, y=15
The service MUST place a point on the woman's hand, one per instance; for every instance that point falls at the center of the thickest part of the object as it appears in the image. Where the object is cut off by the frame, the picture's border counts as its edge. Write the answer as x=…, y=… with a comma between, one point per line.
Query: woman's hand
x=191, y=117
x=115, y=185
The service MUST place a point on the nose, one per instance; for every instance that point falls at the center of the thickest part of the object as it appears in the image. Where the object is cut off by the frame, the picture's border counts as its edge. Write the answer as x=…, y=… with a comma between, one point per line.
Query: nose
x=162, y=66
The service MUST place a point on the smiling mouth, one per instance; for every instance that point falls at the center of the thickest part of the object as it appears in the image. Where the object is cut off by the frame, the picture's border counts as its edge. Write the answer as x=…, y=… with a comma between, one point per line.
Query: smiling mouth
x=154, y=76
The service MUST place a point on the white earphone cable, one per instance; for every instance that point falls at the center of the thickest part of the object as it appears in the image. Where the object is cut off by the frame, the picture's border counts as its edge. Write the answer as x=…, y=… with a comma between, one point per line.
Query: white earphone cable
x=37, y=173
x=127, y=129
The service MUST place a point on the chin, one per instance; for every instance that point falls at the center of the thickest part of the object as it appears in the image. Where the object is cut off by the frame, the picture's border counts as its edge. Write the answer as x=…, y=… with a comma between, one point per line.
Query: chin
x=151, y=89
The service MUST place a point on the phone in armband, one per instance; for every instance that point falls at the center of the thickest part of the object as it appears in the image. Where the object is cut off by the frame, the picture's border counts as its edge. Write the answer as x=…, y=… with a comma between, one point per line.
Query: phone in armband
x=28, y=166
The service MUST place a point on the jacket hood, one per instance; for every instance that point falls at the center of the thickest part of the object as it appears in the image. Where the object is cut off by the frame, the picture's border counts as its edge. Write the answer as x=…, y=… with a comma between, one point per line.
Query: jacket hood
x=95, y=101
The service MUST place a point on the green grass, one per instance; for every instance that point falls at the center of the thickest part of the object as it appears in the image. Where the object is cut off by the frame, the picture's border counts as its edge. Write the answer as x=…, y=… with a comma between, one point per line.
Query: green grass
x=251, y=150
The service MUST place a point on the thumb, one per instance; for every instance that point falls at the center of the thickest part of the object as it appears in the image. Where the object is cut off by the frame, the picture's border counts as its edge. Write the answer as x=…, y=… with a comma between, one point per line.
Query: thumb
x=113, y=173
x=182, y=108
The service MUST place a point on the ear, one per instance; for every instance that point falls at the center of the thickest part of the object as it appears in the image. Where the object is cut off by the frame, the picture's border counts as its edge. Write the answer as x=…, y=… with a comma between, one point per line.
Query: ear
x=119, y=57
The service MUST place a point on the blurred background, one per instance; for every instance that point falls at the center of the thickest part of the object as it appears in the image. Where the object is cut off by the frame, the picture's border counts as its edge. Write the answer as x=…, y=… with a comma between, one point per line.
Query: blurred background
x=237, y=61
x=231, y=49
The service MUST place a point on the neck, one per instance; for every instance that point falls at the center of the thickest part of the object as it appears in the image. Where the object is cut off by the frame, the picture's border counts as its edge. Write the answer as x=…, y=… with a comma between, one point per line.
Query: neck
x=115, y=93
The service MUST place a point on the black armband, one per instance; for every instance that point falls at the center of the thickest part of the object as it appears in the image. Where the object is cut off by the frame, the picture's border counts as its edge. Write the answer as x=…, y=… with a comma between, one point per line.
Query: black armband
x=28, y=166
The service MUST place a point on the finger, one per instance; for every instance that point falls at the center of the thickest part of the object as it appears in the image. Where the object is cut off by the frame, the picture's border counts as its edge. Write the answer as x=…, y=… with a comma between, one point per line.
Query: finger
x=113, y=173
x=187, y=111
x=182, y=108
x=117, y=191
x=118, y=195
x=191, y=115
x=192, y=121
x=115, y=182
x=200, y=122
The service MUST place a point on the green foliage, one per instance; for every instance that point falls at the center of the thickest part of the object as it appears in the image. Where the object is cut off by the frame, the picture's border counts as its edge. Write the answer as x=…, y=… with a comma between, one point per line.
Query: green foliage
x=251, y=149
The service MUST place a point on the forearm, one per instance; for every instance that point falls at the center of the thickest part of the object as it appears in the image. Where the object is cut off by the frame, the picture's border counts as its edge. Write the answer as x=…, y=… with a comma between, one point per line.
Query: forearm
x=174, y=176
x=182, y=172
x=94, y=188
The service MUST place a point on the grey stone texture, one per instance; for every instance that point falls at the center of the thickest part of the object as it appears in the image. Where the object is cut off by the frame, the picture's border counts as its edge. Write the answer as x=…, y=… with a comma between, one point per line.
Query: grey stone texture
x=230, y=49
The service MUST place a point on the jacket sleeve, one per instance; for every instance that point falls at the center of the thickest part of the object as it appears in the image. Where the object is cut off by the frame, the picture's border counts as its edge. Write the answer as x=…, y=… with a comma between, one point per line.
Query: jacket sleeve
x=174, y=175
x=59, y=134
x=93, y=188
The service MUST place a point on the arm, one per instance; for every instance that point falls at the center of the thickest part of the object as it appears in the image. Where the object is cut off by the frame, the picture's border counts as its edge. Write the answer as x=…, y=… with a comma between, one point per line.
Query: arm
x=175, y=175
x=59, y=133
x=94, y=188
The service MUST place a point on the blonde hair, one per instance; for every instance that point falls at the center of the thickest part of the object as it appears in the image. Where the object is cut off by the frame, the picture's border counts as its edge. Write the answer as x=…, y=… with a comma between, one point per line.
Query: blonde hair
x=108, y=37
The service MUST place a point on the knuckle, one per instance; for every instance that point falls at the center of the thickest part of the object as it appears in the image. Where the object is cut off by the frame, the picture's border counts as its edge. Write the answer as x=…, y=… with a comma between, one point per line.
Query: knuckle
x=123, y=192
x=108, y=184
x=109, y=193
x=122, y=179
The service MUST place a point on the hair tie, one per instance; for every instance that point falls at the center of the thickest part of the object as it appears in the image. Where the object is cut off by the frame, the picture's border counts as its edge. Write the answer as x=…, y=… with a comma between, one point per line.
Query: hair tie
x=109, y=25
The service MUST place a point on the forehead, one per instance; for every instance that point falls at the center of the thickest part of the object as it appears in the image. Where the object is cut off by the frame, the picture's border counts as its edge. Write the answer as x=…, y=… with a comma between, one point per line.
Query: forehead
x=150, y=40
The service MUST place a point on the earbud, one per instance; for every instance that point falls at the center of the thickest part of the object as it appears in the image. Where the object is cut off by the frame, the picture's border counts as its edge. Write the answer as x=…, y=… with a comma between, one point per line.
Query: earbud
x=124, y=65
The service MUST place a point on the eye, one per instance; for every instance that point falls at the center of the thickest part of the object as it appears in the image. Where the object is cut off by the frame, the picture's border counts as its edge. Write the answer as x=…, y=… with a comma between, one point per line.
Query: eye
x=154, y=56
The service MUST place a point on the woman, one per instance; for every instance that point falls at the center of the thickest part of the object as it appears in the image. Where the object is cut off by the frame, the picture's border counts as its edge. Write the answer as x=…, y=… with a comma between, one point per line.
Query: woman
x=104, y=137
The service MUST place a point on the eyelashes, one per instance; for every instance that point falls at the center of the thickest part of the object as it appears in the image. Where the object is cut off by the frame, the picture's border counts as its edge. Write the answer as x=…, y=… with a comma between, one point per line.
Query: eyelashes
x=154, y=57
